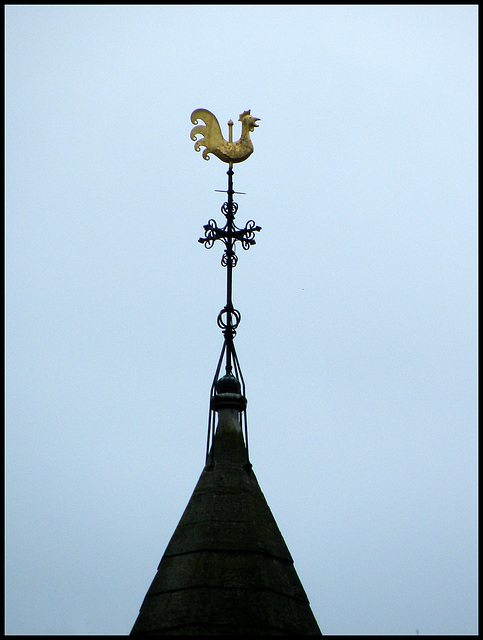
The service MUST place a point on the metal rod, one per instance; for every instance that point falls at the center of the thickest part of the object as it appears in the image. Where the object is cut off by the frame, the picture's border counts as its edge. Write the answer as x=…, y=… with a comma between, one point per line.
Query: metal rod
x=211, y=416
x=229, y=271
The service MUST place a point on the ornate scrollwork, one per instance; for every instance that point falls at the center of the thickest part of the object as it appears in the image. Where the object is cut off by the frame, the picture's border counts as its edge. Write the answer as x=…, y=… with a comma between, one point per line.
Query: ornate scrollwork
x=211, y=234
x=228, y=257
x=249, y=234
x=225, y=209
x=229, y=235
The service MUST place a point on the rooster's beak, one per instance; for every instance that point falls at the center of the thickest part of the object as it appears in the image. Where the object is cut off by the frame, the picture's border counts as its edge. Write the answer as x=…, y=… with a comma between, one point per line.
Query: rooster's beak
x=256, y=125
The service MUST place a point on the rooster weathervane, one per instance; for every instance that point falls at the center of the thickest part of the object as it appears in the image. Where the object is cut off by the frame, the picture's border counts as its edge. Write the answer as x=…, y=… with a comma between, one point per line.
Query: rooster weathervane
x=229, y=317
x=213, y=140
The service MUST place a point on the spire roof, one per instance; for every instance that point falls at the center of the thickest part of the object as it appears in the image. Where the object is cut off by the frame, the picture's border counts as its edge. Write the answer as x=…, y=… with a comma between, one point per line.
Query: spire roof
x=226, y=569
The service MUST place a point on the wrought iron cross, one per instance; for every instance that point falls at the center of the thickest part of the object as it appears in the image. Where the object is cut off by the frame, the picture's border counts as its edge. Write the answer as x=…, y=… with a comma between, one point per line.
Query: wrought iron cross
x=229, y=317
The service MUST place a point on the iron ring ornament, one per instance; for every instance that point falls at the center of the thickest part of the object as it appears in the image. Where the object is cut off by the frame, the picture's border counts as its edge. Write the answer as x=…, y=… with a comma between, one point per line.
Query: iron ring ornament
x=233, y=318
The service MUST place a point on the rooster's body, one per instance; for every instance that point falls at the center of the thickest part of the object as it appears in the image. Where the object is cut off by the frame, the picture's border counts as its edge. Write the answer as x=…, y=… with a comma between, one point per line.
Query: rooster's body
x=213, y=140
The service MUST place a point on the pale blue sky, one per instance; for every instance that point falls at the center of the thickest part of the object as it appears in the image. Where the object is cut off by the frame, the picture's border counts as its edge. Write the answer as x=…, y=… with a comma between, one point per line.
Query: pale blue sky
x=358, y=339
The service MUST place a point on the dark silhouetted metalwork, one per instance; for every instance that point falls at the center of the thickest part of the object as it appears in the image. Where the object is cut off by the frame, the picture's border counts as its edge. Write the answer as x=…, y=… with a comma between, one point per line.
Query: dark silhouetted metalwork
x=229, y=317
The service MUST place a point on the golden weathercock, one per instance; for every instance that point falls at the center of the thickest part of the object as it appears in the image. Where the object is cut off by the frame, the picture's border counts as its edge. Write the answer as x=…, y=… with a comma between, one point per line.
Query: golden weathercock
x=215, y=143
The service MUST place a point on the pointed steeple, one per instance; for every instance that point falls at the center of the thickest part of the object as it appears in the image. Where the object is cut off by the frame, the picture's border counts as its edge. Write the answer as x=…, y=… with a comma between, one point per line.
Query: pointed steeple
x=227, y=569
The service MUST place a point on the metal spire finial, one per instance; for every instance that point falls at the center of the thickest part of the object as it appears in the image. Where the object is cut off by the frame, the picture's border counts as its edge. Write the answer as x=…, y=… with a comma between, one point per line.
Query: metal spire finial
x=229, y=317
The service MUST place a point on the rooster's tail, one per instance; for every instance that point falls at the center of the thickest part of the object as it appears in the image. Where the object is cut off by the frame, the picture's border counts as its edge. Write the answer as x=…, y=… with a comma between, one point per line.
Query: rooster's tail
x=211, y=132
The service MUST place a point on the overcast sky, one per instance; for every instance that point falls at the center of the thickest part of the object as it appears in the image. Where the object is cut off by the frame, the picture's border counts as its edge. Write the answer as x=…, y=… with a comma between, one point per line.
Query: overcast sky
x=358, y=339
